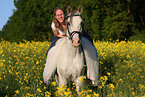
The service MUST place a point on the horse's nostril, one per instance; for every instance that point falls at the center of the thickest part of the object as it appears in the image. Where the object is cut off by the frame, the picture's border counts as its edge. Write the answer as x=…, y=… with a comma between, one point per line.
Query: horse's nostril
x=78, y=41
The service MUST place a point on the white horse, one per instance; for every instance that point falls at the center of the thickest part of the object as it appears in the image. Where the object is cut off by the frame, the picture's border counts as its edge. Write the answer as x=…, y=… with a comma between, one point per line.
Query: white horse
x=68, y=55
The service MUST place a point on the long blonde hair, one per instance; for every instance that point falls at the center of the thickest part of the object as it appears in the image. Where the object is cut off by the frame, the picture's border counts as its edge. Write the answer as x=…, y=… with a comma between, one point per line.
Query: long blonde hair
x=56, y=22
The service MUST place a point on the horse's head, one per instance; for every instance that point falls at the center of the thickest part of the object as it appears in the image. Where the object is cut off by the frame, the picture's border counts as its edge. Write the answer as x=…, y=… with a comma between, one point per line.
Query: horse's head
x=74, y=25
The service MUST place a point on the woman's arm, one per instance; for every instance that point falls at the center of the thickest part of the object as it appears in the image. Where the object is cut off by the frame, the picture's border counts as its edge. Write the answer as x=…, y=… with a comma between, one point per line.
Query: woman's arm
x=56, y=33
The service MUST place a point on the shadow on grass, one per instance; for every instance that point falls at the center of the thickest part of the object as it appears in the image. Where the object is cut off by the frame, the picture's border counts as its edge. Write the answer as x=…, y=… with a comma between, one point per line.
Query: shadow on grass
x=9, y=85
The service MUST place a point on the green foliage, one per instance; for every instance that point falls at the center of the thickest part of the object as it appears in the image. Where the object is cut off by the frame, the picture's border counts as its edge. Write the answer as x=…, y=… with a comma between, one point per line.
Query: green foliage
x=104, y=19
x=137, y=37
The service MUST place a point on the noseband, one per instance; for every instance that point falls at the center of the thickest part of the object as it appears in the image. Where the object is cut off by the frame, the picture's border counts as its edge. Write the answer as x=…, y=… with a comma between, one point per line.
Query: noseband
x=74, y=32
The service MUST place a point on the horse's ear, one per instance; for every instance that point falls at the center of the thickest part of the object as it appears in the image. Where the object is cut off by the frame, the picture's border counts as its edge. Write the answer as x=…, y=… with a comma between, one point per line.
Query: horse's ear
x=69, y=9
x=80, y=9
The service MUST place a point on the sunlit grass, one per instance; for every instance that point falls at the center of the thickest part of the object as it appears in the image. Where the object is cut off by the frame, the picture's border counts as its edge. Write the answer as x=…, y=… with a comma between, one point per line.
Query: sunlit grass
x=122, y=66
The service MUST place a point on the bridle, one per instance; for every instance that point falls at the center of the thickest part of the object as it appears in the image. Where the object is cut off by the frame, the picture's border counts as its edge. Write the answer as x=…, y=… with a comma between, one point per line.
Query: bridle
x=71, y=34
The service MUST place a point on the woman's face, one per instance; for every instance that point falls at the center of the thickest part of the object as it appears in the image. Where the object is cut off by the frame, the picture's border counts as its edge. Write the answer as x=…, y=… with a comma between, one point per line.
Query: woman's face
x=59, y=15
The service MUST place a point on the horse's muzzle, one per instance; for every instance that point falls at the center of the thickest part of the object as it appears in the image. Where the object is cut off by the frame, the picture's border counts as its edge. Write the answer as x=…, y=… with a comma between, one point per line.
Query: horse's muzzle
x=76, y=42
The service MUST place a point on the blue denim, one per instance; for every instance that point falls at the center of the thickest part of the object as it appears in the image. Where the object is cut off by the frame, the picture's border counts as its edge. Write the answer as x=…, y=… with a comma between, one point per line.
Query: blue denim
x=85, y=34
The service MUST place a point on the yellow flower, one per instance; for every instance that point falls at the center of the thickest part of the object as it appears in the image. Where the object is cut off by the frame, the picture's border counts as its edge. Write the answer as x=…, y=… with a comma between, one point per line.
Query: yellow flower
x=44, y=87
x=17, y=91
x=89, y=90
x=112, y=86
x=121, y=80
x=141, y=86
x=73, y=84
x=106, y=78
x=101, y=62
x=82, y=78
x=128, y=56
x=66, y=94
x=42, y=94
x=100, y=87
x=7, y=87
x=58, y=88
x=37, y=62
x=88, y=96
x=47, y=94
x=96, y=95
x=133, y=93
x=27, y=88
x=108, y=74
x=41, y=82
x=28, y=94
x=1, y=52
x=53, y=83
x=39, y=90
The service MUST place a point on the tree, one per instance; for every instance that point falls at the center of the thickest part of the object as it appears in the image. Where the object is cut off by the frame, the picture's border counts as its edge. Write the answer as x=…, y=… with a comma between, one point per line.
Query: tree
x=104, y=19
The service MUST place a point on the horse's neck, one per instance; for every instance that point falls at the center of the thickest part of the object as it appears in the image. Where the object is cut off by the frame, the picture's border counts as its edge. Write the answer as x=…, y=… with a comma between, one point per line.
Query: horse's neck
x=70, y=49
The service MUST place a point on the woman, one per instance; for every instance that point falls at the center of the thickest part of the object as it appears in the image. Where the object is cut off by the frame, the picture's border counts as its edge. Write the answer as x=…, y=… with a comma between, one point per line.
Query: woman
x=59, y=29
x=59, y=26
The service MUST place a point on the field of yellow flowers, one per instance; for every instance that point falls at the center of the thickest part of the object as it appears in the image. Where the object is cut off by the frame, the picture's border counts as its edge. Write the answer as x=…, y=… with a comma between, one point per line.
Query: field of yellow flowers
x=122, y=71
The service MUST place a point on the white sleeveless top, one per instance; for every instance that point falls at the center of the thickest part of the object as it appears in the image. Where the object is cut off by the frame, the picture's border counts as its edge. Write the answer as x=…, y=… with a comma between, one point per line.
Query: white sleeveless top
x=54, y=28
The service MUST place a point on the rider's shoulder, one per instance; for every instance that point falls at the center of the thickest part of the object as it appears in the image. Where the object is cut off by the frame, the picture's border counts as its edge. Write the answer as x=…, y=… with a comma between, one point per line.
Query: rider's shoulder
x=53, y=26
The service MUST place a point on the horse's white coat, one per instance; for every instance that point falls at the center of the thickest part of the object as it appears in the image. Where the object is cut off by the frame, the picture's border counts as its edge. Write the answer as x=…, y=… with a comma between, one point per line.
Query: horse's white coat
x=69, y=60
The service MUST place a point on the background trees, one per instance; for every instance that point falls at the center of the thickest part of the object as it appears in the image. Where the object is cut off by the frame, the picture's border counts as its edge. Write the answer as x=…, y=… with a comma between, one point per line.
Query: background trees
x=104, y=19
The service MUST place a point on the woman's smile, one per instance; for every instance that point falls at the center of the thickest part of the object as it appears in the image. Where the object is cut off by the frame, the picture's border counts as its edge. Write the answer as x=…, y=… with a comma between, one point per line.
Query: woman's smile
x=59, y=16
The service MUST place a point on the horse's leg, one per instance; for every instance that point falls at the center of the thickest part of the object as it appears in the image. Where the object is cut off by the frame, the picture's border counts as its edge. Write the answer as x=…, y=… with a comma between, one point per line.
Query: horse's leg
x=57, y=78
x=78, y=84
x=62, y=81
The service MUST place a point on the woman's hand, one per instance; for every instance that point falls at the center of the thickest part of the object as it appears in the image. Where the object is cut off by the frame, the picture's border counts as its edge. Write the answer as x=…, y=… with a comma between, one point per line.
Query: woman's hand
x=59, y=35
